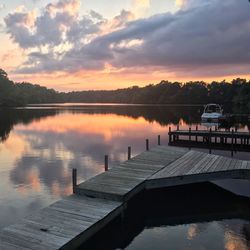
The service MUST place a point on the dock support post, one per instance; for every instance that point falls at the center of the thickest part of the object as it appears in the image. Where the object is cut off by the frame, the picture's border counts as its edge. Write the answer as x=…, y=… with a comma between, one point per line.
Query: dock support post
x=176, y=137
x=159, y=140
x=196, y=137
x=169, y=135
x=129, y=153
x=74, y=179
x=232, y=143
x=210, y=141
x=106, y=163
x=147, y=144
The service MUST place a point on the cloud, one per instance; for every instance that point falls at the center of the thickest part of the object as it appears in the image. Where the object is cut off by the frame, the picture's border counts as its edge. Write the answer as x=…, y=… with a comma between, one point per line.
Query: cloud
x=180, y=3
x=2, y=6
x=142, y=3
x=29, y=30
x=202, y=37
x=140, y=7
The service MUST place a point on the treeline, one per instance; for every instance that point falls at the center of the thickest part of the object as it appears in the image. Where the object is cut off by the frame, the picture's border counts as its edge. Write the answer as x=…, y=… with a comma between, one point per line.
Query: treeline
x=19, y=94
x=236, y=93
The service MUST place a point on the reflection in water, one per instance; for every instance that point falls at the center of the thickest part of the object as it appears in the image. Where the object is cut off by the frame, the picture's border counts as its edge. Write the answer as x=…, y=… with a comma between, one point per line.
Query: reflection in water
x=39, y=147
x=37, y=155
x=180, y=218
x=234, y=236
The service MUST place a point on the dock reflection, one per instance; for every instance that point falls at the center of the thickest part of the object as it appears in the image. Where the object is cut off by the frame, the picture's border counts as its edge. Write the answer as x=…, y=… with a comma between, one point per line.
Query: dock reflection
x=196, y=207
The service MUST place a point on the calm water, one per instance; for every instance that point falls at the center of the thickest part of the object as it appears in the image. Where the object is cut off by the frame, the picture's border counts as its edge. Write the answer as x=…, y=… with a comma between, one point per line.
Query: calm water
x=39, y=147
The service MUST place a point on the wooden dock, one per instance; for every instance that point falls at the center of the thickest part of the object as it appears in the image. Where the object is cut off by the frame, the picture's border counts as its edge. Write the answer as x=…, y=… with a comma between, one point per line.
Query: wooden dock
x=212, y=139
x=69, y=222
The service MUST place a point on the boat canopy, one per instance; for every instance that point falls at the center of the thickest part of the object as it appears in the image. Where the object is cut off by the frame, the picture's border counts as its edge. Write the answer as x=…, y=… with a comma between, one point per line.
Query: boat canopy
x=212, y=108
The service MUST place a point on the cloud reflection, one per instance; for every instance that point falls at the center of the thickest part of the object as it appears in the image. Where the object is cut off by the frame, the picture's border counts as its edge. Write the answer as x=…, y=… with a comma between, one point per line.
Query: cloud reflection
x=55, y=145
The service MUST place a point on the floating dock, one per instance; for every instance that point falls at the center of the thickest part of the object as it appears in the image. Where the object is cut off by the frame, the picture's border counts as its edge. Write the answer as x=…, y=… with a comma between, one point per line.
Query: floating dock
x=96, y=202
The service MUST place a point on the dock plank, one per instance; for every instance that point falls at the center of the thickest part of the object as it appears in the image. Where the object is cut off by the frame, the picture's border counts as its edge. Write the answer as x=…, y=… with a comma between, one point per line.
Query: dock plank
x=121, y=182
x=60, y=224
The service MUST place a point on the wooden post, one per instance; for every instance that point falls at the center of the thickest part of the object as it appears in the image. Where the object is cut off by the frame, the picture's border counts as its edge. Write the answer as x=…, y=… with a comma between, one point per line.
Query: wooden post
x=74, y=179
x=232, y=143
x=169, y=135
x=147, y=144
x=210, y=141
x=178, y=127
x=129, y=153
x=189, y=135
x=159, y=140
x=196, y=137
x=106, y=163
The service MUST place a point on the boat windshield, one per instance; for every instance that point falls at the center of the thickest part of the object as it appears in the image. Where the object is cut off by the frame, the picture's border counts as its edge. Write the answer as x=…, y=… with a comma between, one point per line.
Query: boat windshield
x=212, y=109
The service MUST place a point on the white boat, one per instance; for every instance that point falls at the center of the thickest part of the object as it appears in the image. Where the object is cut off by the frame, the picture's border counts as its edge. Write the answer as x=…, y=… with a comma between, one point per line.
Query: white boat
x=212, y=112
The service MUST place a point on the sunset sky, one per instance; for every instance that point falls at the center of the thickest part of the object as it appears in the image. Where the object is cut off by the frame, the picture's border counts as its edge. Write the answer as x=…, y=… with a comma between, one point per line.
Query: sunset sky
x=103, y=44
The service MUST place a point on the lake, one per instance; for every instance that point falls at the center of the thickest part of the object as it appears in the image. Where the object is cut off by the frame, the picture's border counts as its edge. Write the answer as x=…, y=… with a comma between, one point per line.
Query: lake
x=39, y=146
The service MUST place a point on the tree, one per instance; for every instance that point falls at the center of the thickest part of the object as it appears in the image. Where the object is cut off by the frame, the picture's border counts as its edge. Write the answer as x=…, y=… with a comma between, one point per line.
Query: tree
x=3, y=74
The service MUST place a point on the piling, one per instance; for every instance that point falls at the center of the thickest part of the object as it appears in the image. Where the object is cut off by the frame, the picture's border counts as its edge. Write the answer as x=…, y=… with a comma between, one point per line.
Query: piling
x=169, y=135
x=129, y=153
x=232, y=143
x=210, y=141
x=159, y=140
x=106, y=162
x=196, y=137
x=147, y=144
x=74, y=179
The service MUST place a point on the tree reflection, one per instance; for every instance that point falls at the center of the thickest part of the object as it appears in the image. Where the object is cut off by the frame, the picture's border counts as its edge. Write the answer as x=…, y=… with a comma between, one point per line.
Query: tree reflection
x=12, y=117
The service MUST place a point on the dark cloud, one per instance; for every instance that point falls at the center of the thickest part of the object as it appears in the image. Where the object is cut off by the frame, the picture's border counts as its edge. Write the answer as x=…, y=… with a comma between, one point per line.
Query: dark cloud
x=210, y=36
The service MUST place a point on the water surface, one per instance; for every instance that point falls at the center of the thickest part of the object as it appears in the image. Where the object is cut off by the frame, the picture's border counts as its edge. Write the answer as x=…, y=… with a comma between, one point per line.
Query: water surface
x=39, y=146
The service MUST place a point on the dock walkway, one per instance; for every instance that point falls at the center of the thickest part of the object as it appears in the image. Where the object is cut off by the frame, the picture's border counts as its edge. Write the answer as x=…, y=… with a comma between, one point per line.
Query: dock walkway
x=69, y=222
x=124, y=181
x=213, y=139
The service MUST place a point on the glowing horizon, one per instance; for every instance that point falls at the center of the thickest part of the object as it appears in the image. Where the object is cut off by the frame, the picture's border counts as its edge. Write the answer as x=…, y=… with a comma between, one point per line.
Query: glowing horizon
x=91, y=45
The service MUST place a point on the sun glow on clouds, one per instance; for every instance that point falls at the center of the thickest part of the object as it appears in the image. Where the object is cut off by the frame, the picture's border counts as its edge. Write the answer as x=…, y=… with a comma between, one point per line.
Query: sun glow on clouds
x=63, y=47
x=180, y=3
x=70, y=6
x=140, y=7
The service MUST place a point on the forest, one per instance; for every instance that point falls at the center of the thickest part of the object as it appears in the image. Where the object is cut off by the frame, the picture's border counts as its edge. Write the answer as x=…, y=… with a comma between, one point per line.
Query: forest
x=235, y=93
